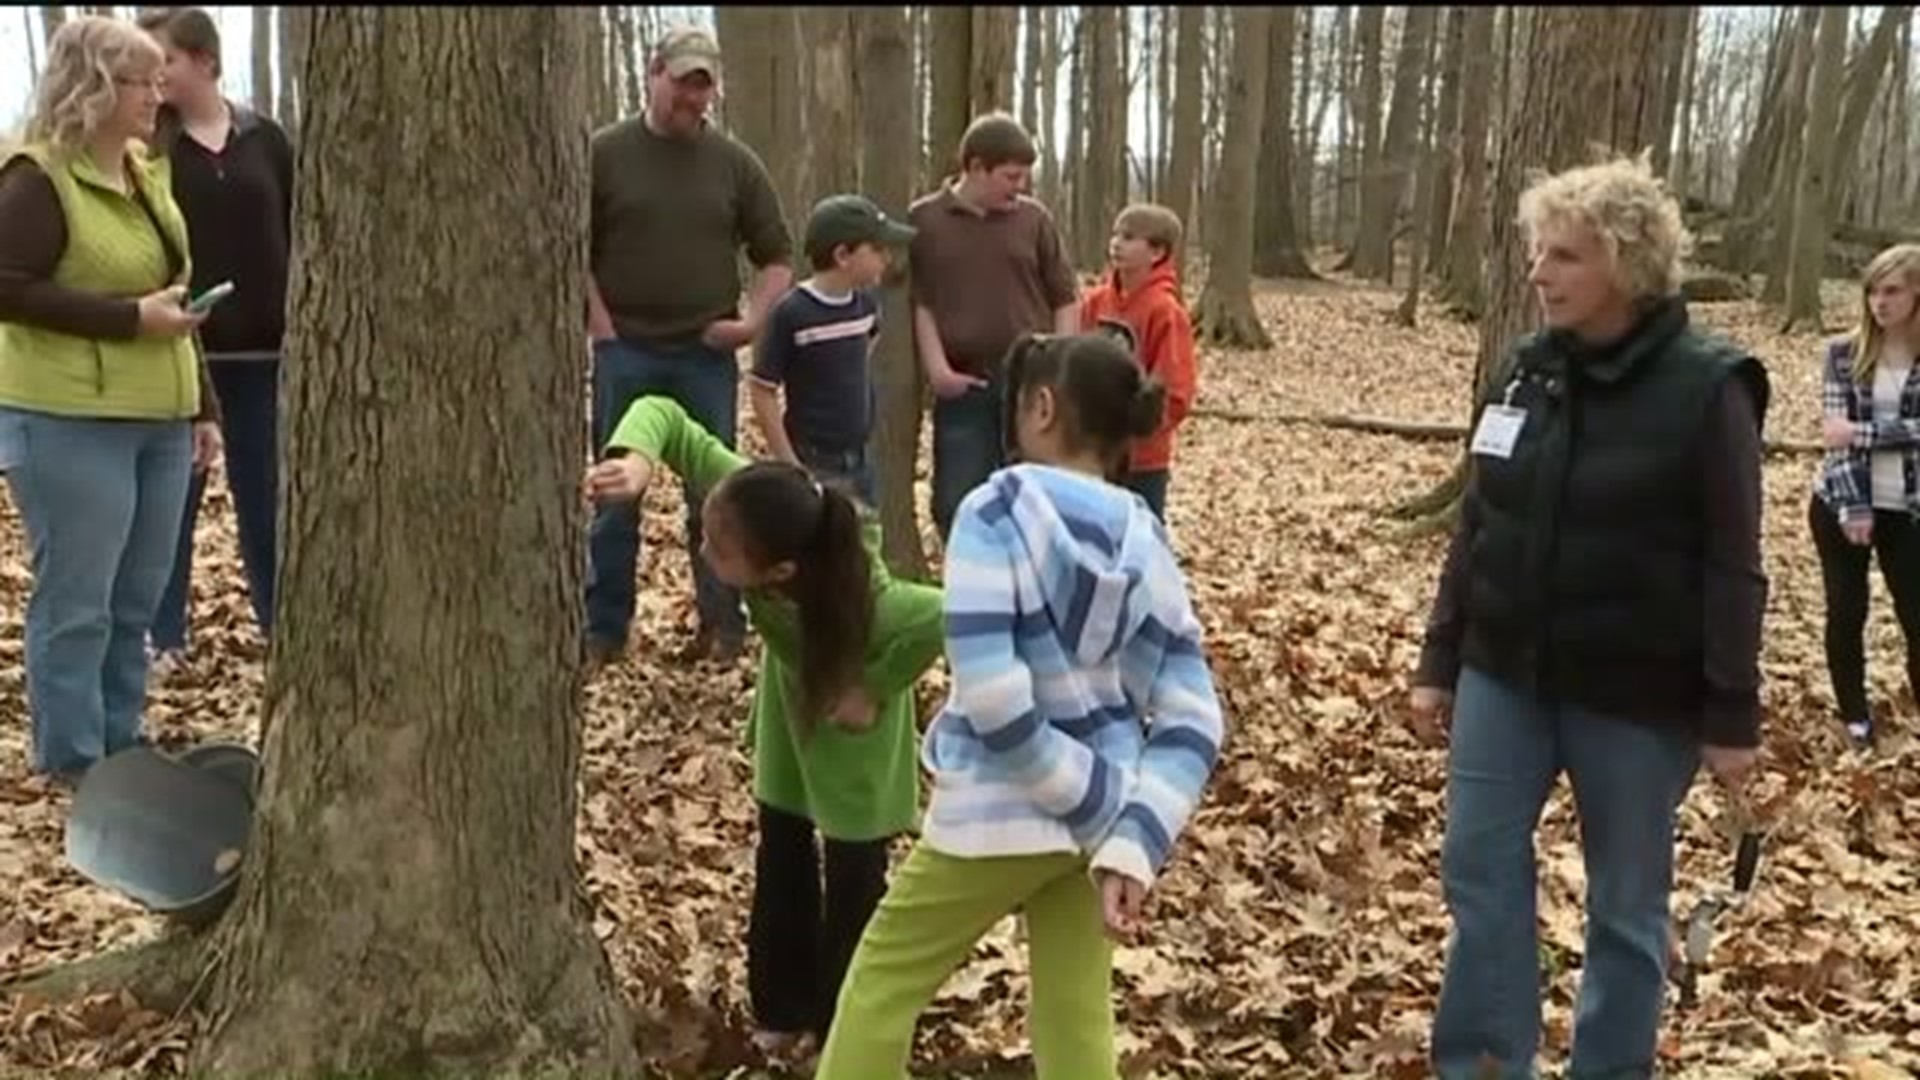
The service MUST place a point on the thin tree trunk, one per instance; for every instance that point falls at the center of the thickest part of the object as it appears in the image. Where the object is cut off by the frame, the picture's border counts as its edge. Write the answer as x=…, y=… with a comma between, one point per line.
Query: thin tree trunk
x=1030, y=71
x=1386, y=188
x=1446, y=141
x=884, y=84
x=1276, y=240
x=1861, y=89
x=1782, y=201
x=627, y=62
x=410, y=902
x=52, y=18
x=262, y=59
x=1183, y=158
x=1346, y=158
x=1305, y=143
x=1056, y=162
x=1681, y=176
x=1679, y=40
x=991, y=54
x=950, y=52
x=1812, y=205
x=1465, y=284
x=294, y=35
x=33, y=44
x=1225, y=315
x=1369, y=34
x=1163, y=94
x=1430, y=163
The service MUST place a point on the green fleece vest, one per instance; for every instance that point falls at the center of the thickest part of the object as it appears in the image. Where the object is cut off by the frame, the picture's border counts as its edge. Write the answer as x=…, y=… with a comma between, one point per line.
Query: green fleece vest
x=113, y=249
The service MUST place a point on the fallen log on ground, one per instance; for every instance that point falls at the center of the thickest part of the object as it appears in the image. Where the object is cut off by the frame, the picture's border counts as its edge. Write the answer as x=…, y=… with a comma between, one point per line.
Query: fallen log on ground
x=1416, y=430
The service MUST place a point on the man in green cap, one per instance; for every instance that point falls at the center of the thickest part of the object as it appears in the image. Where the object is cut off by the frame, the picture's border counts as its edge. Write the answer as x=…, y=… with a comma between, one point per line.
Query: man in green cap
x=674, y=202
x=811, y=387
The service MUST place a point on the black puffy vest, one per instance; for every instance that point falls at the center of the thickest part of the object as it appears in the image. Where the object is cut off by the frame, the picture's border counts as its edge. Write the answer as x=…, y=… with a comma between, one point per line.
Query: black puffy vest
x=1585, y=578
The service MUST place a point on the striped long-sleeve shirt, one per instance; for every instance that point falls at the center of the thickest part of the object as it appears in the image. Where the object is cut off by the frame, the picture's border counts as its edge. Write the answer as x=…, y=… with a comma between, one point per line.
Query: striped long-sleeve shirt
x=1083, y=715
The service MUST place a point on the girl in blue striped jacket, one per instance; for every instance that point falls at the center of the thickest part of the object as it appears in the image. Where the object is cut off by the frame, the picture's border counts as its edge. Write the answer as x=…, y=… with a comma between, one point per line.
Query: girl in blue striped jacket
x=1081, y=731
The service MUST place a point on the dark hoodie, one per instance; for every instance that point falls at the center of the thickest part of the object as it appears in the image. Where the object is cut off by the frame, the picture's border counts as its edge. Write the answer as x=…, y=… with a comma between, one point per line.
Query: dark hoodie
x=1164, y=336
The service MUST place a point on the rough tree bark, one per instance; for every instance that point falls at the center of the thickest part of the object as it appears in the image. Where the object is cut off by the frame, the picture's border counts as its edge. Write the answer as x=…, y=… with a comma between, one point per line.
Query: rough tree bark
x=884, y=80
x=262, y=59
x=1583, y=83
x=629, y=50
x=1464, y=286
x=1386, y=187
x=1225, y=315
x=1811, y=206
x=1183, y=157
x=410, y=900
x=293, y=31
x=1277, y=251
x=600, y=96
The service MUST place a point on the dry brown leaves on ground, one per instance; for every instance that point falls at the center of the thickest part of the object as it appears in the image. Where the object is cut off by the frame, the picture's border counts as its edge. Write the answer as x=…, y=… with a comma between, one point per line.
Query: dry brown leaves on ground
x=1299, y=931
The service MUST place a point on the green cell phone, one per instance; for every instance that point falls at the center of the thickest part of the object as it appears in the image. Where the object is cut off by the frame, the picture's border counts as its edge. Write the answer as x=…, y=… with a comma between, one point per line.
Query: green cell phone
x=205, y=301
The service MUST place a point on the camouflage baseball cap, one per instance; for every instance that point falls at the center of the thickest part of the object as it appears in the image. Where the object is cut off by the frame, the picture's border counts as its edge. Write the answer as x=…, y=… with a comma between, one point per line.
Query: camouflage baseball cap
x=852, y=220
x=687, y=49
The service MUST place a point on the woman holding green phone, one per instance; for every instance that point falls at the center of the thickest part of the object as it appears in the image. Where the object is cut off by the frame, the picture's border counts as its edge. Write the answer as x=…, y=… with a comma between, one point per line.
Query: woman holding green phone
x=233, y=175
x=104, y=401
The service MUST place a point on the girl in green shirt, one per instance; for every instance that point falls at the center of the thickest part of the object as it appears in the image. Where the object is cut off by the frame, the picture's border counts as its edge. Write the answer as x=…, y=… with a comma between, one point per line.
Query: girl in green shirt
x=832, y=726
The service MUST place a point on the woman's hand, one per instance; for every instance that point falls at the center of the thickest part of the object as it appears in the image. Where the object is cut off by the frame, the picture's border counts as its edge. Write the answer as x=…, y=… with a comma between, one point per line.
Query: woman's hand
x=207, y=444
x=1858, y=531
x=1123, y=906
x=164, y=314
x=1432, y=712
x=1837, y=432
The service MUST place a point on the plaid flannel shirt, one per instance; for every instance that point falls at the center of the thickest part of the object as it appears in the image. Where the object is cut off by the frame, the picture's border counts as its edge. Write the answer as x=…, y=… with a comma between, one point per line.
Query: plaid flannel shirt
x=1845, y=483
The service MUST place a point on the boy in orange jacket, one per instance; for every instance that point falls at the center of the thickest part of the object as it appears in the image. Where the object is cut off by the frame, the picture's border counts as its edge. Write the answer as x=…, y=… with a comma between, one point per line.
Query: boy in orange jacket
x=1142, y=290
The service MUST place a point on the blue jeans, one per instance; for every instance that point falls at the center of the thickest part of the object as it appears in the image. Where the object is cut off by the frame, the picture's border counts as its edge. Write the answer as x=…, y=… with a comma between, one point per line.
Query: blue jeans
x=101, y=501
x=706, y=383
x=849, y=467
x=249, y=392
x=968, y=445
x=1507, y=751
x=1152, y=487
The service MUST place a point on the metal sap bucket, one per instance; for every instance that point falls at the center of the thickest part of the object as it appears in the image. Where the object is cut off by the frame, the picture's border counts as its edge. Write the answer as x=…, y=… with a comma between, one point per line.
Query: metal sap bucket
x=168, y=832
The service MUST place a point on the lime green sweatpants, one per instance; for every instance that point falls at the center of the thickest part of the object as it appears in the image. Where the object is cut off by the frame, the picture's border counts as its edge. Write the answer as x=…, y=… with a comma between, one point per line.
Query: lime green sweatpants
x=935, y=910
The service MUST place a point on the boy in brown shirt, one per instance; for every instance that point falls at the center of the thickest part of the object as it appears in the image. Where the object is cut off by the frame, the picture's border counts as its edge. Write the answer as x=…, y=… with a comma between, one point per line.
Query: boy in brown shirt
x=988, y=266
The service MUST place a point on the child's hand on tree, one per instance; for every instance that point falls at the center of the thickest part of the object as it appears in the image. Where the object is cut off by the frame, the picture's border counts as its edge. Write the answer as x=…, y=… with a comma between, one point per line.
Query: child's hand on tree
x=854, y=711
x=1123, y=904
x=618, y=480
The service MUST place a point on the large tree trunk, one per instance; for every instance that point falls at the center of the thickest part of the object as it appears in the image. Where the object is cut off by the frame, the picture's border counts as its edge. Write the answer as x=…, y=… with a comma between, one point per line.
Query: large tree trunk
x=1862, y=89
x=833, y=106
x=1775, y=126
x=1276, y=240
x=1464, y=287
x=1031, y=68
x=1386, y=186
x=765, y=106
x=1183, y=158
x=262, y=59
x=884, y=80
x=410, y=900
x=629, y=49
x=1811, y=206
x=1677, y=39
x=1096, y=198
x=1225, y=315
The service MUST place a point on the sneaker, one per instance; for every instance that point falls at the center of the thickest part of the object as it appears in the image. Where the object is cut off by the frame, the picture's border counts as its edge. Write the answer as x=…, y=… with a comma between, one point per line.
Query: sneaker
x=1860, y=734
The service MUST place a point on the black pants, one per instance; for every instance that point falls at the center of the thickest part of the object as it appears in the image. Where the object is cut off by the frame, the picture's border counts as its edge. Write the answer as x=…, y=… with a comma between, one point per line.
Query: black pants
x=799, y=943
x=1843, y=570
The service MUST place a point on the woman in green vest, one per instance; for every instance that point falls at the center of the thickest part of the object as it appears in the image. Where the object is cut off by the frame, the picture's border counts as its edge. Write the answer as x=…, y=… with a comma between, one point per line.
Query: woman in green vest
x=104, y=403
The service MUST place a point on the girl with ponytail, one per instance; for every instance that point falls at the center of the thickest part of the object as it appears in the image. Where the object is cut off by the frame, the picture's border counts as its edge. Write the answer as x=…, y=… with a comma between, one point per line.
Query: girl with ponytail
x=832, y=726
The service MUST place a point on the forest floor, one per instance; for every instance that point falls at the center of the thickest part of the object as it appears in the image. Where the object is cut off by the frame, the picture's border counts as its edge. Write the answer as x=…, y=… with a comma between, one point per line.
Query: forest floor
x=1299, y=930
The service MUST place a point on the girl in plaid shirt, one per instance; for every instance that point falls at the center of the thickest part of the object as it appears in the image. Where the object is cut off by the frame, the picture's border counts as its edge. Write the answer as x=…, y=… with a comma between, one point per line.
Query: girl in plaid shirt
x=1864, y=498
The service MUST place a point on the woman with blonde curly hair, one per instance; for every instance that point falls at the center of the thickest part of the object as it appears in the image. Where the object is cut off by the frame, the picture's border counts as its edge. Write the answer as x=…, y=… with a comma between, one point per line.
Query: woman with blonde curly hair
x=1864, y=498
x=104, y=402
x=1599, y=615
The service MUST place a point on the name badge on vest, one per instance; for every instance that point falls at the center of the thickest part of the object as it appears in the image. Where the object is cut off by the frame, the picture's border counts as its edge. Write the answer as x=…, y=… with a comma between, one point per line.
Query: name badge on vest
x=1499, y=427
